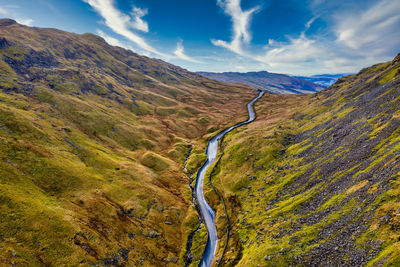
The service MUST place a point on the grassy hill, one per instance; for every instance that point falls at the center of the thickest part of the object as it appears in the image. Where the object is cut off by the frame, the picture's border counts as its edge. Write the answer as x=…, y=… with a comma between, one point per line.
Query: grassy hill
x=92, y=144
x=315, y=180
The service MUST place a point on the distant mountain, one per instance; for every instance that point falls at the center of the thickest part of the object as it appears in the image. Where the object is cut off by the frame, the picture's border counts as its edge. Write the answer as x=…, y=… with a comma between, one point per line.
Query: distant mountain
x=272, y=82
x=324, y=80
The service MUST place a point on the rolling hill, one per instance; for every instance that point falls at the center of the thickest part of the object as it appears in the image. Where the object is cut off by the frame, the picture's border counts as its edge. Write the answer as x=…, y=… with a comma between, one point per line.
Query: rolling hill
x=92, y=144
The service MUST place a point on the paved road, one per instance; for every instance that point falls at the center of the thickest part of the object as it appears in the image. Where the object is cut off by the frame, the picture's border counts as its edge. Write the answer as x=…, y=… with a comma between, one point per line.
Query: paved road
x=206, y=211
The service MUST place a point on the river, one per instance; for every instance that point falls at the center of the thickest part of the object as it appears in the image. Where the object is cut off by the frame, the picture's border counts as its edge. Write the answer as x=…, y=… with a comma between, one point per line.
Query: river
x=207, y=213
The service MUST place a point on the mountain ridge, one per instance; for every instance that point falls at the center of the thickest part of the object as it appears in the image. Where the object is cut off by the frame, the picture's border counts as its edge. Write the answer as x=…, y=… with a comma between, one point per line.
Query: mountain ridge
x=272, y=82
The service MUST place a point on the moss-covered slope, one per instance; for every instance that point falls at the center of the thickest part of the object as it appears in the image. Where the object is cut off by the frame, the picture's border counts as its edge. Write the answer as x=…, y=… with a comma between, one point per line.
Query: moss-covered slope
x=315, y=180
x=92, y=143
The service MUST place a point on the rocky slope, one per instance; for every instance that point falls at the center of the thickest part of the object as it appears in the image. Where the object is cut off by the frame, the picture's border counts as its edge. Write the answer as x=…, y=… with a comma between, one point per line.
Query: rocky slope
x=315, y=180
x=272, y=82
x=92, y=144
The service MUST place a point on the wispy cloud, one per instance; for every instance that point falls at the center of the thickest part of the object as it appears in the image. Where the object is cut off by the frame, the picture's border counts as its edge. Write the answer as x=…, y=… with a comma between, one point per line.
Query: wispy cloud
x=306, y=55
x=180, y=53
x=113, y=41
x=138, y=23
x=297, y=50
x=240, y=25
x=309, y=23
x=375, y=30
x=11, y=6
x=27, y=22
x=124, y=24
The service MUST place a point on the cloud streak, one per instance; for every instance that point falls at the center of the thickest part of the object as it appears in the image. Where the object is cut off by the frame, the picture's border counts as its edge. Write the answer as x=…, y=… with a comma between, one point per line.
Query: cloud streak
x=113, y=41
x=374, y=30
x=3, y=11
x=180, y=53
x=240, y=25
x=138, y=23
x=27, y=22
x=297, y=50
x=123, y=24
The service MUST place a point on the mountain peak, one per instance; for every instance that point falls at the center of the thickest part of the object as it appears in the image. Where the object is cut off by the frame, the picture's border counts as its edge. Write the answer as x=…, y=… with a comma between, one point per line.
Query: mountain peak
x=7, y=22
x=260, y=72
x=397, y=58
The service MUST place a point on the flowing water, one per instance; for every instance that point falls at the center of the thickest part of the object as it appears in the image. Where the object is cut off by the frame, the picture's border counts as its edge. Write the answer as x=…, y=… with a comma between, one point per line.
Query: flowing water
x=206, y=211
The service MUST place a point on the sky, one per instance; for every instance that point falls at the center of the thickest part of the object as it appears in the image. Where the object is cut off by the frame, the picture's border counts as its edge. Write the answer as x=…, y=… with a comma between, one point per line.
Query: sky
x=299, y=37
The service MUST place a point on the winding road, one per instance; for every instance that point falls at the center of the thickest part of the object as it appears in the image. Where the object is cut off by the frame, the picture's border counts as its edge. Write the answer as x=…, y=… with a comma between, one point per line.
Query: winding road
x=206, y=211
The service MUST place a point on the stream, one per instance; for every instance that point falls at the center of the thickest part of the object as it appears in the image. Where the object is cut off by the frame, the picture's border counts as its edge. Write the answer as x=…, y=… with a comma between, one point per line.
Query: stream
x=206, y=212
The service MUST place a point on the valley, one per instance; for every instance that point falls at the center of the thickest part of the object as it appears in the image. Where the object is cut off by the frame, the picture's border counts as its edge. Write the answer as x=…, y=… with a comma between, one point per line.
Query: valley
x=100, y=149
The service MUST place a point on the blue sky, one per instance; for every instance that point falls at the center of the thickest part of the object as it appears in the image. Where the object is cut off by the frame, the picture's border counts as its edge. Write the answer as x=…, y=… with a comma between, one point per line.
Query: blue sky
x=286, y=36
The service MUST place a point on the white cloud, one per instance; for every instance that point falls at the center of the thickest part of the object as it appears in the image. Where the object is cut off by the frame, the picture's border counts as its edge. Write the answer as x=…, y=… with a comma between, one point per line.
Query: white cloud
x=306, y=56
x=240, y=68
x=27, y=22
x=240, y=25
x=121, y=23
x=11, y=6
x=310, y=22
x=180, y=53
x=113, y=41
x=297, y=50
x=373, y=31
x=13, y=15
x=138, y=23
x=3, y=11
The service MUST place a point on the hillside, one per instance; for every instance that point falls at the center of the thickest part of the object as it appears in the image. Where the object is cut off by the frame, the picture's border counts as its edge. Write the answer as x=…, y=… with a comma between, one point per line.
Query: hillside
x=315, y=180
x=92, y=144
x=272, y=82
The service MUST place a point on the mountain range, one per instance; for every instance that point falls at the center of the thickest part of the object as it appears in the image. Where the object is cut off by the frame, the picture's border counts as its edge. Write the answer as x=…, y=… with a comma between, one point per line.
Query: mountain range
x=271, y=82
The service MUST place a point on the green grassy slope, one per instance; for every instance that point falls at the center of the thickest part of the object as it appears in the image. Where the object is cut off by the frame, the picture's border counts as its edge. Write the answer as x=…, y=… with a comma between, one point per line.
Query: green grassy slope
x=92, y=143
x=315, y=180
